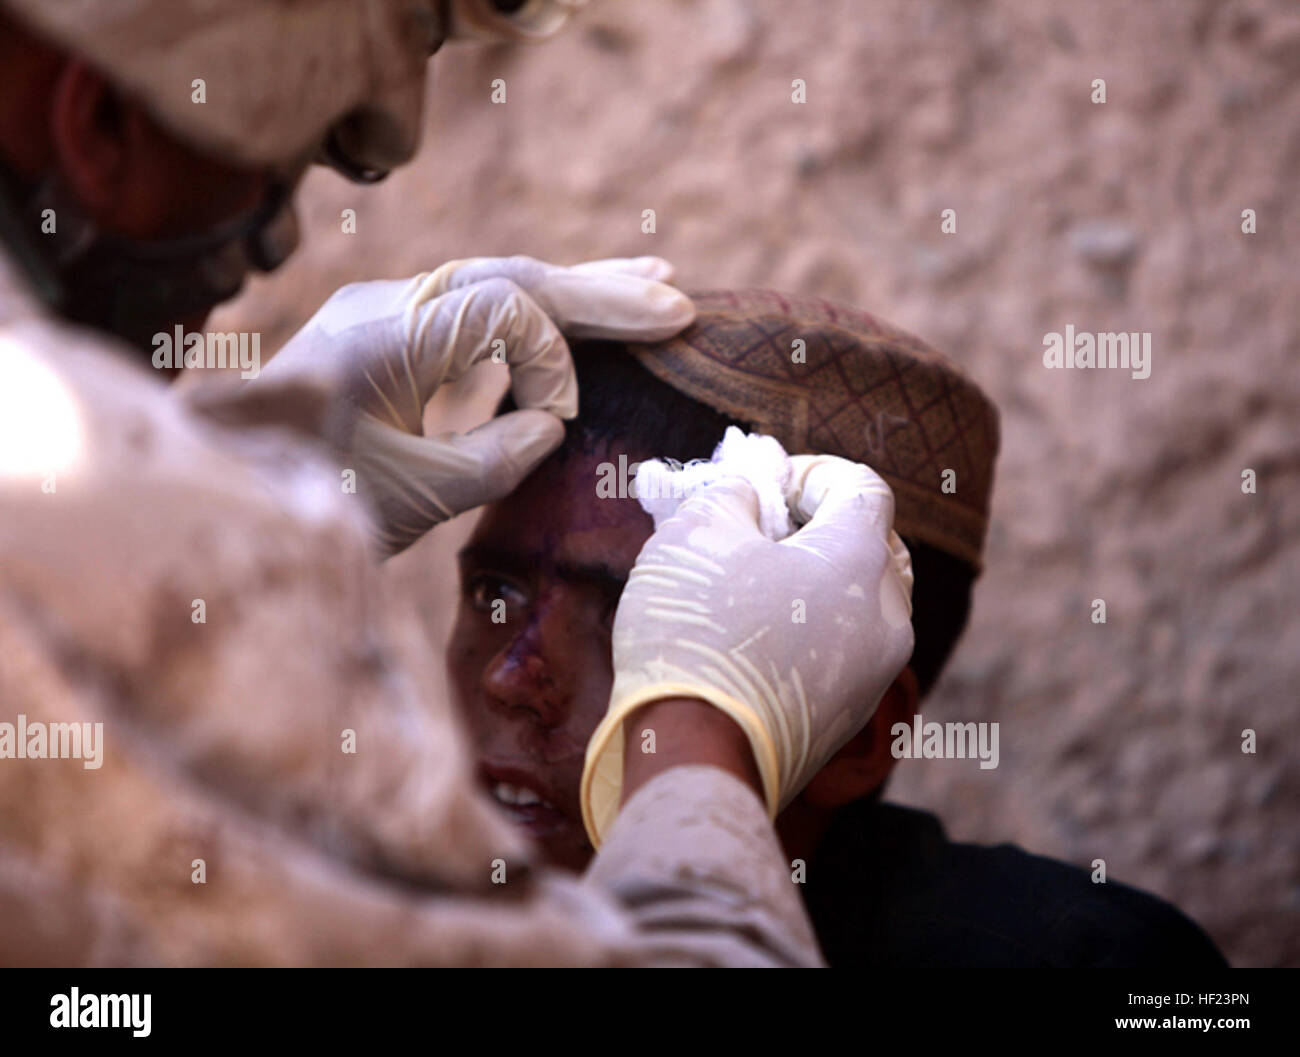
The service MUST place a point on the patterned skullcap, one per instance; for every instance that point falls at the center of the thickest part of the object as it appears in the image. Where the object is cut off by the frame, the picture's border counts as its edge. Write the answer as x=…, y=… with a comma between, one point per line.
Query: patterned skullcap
x=867, y=391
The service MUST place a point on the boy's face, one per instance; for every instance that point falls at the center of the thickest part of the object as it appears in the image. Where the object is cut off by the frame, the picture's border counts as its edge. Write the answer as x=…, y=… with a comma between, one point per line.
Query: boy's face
x=548, y=563
x=531, y=667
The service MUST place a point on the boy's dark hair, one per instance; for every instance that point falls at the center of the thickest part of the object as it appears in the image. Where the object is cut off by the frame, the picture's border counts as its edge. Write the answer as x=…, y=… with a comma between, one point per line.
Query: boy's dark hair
x=620, y=400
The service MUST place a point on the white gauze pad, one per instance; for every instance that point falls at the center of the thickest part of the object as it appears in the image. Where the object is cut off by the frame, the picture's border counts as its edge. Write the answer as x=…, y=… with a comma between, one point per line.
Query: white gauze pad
x=661, y=488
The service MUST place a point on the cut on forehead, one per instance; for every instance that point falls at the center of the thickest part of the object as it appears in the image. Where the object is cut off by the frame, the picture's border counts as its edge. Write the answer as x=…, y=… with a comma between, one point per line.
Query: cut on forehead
x=559, y=525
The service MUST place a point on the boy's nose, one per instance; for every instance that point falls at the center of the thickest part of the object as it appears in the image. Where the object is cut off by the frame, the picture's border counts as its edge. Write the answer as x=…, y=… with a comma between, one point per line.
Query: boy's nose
x=527, y=676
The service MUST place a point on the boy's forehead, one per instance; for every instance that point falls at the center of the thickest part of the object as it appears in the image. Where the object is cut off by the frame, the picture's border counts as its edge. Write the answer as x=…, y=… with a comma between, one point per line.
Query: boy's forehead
x=557, y=517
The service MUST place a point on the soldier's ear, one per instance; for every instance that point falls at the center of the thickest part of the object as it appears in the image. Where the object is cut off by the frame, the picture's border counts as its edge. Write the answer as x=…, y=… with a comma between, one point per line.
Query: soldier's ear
x=865, y=762
x=89, y=130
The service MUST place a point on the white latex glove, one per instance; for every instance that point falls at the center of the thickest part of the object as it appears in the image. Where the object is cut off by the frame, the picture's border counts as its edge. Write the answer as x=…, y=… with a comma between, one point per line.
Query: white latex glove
x=710, y=611
x=383, y=348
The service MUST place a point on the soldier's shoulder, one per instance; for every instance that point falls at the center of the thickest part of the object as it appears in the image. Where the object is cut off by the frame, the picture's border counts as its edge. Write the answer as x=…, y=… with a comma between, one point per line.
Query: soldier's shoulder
x=89, y=429
x=118, y=498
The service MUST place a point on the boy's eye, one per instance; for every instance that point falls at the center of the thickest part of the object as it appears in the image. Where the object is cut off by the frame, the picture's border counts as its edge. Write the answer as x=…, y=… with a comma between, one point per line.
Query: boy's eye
x=483, y=591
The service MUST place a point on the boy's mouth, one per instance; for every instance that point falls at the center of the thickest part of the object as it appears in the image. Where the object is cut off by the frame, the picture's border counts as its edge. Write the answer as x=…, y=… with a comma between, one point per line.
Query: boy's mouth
x=522, y=794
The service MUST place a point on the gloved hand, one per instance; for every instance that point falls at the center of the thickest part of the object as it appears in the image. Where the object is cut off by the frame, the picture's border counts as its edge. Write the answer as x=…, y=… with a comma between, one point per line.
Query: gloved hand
x=383, y=348
x=711, y=611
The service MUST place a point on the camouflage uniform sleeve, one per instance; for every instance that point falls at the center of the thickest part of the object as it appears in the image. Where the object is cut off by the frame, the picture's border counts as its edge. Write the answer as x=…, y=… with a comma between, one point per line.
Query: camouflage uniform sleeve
x=693, y=859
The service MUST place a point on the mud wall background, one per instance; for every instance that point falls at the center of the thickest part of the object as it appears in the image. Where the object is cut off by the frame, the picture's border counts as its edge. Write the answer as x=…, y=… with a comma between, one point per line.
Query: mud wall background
x=1120, y=741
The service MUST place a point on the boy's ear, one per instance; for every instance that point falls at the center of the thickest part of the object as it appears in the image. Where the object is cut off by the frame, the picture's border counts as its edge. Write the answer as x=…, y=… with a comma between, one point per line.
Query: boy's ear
x=864, y=763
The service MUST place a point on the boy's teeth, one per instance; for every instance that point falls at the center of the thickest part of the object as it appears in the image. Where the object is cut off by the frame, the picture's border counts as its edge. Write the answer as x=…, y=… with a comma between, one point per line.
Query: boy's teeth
x=516, y=794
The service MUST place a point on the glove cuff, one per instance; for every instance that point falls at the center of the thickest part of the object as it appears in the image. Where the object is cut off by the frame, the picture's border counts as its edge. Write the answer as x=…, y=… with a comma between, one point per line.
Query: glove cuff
x=602, y=773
